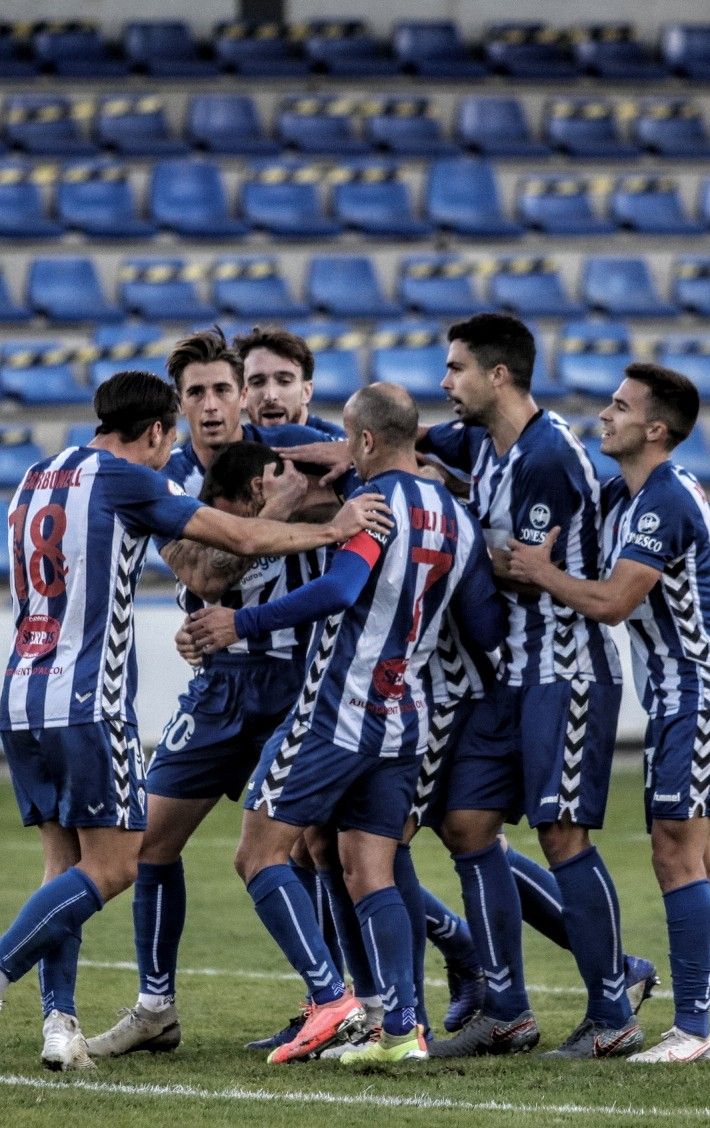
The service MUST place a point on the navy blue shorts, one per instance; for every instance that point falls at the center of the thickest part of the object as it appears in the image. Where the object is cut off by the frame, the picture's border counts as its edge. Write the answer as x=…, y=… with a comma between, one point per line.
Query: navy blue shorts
x=305, y=780
x=210, y=745
x=79, y=776
x=677, y=784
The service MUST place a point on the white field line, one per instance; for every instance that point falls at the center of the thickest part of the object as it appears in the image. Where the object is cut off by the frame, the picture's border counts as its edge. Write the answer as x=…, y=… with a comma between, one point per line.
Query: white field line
x=284, y=976
x=367, y=1100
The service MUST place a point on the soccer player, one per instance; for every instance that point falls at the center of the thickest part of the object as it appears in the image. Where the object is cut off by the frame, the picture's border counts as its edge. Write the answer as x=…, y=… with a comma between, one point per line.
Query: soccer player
x=558, y=682
x=80, y=523
x=656, y=545
x=350, y=750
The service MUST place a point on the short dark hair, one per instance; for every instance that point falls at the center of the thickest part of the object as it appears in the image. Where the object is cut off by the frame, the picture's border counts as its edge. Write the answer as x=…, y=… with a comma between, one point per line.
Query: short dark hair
x=205, y=347
x=279, y=341
x=498, y=338
x=387, y=410
x=233, y=469
x=130, y=401
x=674, y=398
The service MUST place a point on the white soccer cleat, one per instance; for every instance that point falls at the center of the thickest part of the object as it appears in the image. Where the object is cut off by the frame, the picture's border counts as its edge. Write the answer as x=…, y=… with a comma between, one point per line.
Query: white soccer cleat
x=675, y=1045
x=358, y=1041
x=64, y=1044
x=139, y=1029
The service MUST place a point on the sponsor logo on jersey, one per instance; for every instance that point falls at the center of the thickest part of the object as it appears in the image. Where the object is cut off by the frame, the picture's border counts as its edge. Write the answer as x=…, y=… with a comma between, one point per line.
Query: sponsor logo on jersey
x=644, y=541
x=648, y=523
x=37, y=635
x=388, y=677
x=540, y=516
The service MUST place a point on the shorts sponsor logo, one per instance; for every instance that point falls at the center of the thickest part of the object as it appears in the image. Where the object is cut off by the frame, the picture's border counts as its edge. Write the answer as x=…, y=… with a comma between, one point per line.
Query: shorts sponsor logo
x=540, y=516
x=659, y=797
x=37, y=635
x=388, y=677
x=549, y=799
x=648, y=522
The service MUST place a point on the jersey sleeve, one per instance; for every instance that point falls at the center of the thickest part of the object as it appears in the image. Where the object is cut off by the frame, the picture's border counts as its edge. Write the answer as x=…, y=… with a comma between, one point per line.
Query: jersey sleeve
x=659, y=531
x=476, y=605
x=449, y=443
x=546, y=492
x=148, y=502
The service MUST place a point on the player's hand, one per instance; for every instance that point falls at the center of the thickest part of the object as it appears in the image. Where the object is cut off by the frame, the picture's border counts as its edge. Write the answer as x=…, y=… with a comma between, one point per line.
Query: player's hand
x=528, y=563
x=332, y=456
x=283, y=493
x=211, y=629
x=366, y=511
x=186, y=647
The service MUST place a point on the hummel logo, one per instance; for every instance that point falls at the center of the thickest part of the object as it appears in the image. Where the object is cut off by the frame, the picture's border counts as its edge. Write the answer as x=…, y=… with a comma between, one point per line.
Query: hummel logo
x=82, y=697
x=94, y=810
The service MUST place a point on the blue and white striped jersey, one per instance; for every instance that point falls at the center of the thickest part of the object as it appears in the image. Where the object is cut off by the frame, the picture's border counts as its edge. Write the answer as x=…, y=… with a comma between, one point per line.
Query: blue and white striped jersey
x=79, y=527
x=544, y=479
x=666, y=526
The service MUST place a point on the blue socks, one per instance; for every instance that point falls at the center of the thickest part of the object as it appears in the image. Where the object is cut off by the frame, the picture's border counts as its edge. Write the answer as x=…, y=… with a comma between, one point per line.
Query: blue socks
x=688, y=918
x=406, y=880
x=57, y=976
x=314, y=886
x=448, y=932
x=348, y=927
x=386, y=932
x=159, y=901
x=540, y=897
x=591, y=915
x=286, y=911
x=492, y=906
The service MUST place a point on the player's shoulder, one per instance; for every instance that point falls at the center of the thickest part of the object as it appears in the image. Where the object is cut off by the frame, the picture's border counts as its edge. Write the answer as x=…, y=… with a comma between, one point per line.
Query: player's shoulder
x=674, y=489
x=549, y=441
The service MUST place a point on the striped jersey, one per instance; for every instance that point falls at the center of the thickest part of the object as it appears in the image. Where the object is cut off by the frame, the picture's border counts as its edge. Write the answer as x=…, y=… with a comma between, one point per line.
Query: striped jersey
x=544, y=479
x=667, y=527
x=79, y=527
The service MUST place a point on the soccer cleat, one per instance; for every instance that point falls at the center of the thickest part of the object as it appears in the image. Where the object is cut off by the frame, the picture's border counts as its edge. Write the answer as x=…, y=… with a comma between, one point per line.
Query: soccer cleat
x=640, y=977
x=485, y=1034
x=467, y=993
x=675, y=1045
x=139, y=1029
x=389, y=1049
x=64, y=1044
x=590, y=1040
x=372, y=1028
x=324, y=1025
x=287, y=1034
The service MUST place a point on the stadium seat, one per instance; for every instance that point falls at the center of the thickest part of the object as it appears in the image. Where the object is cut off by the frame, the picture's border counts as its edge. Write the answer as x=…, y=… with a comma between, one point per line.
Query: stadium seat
x=588, y=433
x=18, y=451
x=79, y=434
x=686, y=49
x=530, y=287
x=190, y=198
x=404, y=127
x=286, y=201
x=375, y=202
x=162, y=289
x=166, y=49
x=434, y=49
x=126, y=336
x=691, y=283
x=462, y=196
x=336, y=348
x=323, y=125
x=671, y=127
x=592, y=355
x=255, y=48
x=689, y=355
x=4, y=545
x=145, y=361
x=10, y=310
x=529, y=49
x=127, y=346
x=439, y=285
x=414, y=358
x=97, y=198
x=68, y=289
x=48, y=125
x=694, y=453
x=227, y=123
x=22, y=208
x=496, y=127
x=704, y=202
x=545, y=386
x=560, y=205
x=587, y=128
x=347, y=286
x=622, y=287
x=17, y=58
x=136, y=125
x=651, y=205
x=252, y=286
x=610, y=51
x=36, y=373
x=346, y=48
x=77, y=50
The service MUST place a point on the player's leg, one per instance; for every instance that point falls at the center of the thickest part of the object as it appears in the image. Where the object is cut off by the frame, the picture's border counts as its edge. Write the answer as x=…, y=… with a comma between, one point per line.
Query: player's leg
x=57, y=970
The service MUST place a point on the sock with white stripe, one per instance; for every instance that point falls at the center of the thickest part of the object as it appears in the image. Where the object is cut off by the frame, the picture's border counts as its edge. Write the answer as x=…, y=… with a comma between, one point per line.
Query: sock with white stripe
x=54, y=912
x=313, y=885
x=286, y=911
x=688, y=918
x=348, y=926
x=449, y=932
x=590, y=909
x=407, y=882
x=159, y=906
x=387, y=935
x=57, y=976
x=540, y=897
x=492, y=907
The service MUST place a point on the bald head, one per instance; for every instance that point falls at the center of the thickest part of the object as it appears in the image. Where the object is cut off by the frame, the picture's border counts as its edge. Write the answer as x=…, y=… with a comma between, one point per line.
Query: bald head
x=387, y=411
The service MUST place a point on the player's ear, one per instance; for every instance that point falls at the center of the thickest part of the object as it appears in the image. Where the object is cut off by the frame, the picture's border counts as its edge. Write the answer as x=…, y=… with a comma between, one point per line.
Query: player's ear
x=257, y=488
x=307, y=393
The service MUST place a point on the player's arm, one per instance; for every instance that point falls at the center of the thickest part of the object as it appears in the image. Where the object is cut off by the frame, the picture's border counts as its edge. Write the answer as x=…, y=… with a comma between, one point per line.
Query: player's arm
x=608, y=601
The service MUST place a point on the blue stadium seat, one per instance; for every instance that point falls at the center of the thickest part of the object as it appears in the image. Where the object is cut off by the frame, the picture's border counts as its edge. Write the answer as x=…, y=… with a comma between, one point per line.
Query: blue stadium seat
x=97, y=198
x=190, y=198
x=691, y=283
x=260, y=48
x=286, y=202
x=689, y=355
x=323, y=125
x=22, y=208
x=251, y=286
x=592, y=355
x=530, y=287
x=462, y=196
x=694, y=453
x=496, y=127
x=227, y=123
x=166, y=49
x=588, y=434
x=80, y=434
x=128, y=334
x=38, y=372
x=610, y=51
x=414, y=358
x=127, y=346
x=376, y=202
x=336, y=348
x=560, y=205
x=651, y=205
x=18, y=451
x=346, y=48
x=439, y=285
x=686, y=49
x=704, y=201
x=48, y=125
x=587, y=128
x=10, y=310
x=529, y=49
x=77, y=50
x=68, y=289
x=671, y=127
x=136, y=125
x=4, y=545
x=434, y=49
x=622, y=287
x=17, y=58
x=545, y=386
x=155, y=362
x=347, y=286
x=404, y=127
x=162, y=289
